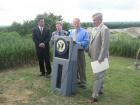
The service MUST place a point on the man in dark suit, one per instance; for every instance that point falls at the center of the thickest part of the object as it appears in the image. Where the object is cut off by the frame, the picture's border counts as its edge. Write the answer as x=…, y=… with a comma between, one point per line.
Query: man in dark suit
x=41, y=38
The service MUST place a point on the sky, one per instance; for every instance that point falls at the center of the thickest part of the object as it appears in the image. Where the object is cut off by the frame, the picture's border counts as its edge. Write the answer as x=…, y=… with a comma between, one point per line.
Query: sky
x=112, y=10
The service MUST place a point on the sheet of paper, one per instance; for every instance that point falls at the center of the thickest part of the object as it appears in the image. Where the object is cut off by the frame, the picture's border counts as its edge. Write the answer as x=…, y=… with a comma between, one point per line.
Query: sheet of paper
x=99, y=67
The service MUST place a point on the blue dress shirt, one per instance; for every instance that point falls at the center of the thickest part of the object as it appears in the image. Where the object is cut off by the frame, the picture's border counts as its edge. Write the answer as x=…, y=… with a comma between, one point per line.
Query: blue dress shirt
x=82, y=37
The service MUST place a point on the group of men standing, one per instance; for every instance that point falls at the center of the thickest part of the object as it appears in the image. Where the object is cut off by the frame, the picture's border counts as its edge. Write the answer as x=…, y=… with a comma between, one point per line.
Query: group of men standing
x=97, y=44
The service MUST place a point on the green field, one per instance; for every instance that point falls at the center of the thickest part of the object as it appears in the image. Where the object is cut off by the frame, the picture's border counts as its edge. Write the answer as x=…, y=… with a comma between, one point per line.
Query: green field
x=23, y=86
x=16, y=50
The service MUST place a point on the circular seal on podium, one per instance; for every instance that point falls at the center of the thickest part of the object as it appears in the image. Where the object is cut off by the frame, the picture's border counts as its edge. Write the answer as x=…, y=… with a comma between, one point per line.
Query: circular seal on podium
x=61, y=46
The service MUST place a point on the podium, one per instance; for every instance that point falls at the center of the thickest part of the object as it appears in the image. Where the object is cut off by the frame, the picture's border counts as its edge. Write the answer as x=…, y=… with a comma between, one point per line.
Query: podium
x=64, y=70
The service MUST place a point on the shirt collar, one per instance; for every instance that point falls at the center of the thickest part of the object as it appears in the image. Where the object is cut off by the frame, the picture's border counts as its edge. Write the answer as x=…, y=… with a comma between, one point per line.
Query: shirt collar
x=59, y=31
x=78, y=29
x=99, y=26
x=40, y=27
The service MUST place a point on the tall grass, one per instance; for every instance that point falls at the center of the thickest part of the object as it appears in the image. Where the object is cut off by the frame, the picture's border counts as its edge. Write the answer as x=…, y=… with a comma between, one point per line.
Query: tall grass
x=15, y=50
x=123, y=45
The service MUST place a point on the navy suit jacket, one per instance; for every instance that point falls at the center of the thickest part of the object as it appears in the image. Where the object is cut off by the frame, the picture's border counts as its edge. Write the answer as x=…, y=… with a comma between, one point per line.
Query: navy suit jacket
x=39, y=37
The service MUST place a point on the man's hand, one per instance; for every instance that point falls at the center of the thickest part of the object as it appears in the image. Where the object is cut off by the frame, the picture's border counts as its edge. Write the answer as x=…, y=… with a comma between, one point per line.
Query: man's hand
x=42, y=45
x=78, y=43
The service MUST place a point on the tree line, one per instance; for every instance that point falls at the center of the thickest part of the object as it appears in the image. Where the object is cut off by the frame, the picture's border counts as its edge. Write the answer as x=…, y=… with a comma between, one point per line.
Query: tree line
x=50, y=19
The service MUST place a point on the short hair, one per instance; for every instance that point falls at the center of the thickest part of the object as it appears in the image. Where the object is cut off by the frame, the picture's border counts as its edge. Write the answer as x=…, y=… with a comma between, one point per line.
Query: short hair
x=40, y=18
x=98, y=15
x=77, y=19
x=59, y=22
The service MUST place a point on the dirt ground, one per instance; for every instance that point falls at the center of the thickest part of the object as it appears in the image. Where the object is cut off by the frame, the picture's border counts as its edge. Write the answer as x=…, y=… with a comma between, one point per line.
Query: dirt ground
x=14, y=93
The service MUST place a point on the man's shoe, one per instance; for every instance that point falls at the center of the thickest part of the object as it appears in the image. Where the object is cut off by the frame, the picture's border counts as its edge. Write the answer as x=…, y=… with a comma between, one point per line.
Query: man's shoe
x=83, y=86
x=47, y=76
x=41, y=74
x=93, y=99
x=78, y=82
x=100, y=93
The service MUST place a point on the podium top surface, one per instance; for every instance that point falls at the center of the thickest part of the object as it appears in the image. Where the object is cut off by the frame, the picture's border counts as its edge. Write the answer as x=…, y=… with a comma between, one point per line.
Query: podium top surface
x=67, y=38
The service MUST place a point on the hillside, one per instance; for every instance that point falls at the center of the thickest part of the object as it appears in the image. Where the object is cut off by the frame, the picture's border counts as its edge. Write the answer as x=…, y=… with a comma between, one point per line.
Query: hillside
x=133, y=31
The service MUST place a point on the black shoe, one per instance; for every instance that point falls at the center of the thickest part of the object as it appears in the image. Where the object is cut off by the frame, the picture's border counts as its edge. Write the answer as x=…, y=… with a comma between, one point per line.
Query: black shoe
x=78, y=83
x=47, y=75
x=93, y=99
x=83, y=86
x=100, y=93
x=41, y=74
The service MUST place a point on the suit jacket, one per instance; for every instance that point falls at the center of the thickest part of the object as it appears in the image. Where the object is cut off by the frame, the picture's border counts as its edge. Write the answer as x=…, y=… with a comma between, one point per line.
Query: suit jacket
x=62, y=33
x=39, y=37
x=99, y=45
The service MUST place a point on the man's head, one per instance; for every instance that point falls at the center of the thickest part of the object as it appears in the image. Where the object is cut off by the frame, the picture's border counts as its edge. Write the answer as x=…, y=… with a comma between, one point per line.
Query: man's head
x=97, y=19
x=76, y=23
x=59, y=25
x=41, y=22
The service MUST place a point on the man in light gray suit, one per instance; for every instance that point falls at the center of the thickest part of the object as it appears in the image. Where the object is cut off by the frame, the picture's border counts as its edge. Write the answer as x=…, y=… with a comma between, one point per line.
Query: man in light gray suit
x=98, y=51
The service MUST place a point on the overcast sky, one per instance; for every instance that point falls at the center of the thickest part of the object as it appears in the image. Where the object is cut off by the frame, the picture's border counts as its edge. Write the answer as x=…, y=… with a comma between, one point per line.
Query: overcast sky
x=113, y=10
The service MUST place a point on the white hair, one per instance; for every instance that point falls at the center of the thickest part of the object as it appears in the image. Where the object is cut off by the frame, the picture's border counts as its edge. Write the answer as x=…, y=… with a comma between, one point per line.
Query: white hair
x=98, y=15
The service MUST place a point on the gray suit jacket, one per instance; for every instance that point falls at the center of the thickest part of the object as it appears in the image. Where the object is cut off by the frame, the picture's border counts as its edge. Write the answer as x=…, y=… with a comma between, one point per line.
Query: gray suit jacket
x=99, y=45
x=62, y=33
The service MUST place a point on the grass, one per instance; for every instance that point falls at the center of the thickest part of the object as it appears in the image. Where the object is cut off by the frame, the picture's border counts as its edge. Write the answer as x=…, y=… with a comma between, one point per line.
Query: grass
x=23, y=86
x=15, y=50
x=123, y=45
x=18, y=51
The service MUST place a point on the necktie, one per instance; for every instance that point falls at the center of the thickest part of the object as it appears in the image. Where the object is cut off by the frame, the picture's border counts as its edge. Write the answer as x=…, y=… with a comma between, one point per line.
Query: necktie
x=75, y=35
x=41, y=29
x=59, y=33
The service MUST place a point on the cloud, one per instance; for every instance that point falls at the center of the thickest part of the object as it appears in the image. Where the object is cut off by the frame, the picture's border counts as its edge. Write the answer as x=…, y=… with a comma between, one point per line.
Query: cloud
x=109, y=4
x=19, y=10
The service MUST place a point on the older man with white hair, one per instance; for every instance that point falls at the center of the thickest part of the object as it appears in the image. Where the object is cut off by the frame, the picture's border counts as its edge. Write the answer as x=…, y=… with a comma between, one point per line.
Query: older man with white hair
x=98, y=51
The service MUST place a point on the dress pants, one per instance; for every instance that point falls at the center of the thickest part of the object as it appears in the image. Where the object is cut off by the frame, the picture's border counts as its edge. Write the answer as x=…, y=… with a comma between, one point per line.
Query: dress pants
x=98, y=84
x=81, y=74
x=44, y=60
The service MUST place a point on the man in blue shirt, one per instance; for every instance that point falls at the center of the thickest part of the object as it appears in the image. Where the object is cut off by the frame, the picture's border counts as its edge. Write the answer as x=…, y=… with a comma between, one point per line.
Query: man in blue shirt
x=81, y=37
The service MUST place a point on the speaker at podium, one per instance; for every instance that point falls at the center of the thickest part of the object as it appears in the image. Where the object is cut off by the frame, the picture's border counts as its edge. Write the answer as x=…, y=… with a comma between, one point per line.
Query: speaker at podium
x=64, y=70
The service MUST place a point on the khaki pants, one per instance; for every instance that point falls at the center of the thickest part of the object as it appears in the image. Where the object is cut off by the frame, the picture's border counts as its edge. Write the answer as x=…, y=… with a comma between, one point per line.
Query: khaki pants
x=81, y=74
x=98, y=84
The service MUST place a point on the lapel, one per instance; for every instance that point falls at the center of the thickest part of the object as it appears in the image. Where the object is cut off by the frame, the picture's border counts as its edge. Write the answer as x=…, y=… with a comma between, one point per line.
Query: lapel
x=97, y=33
x=38, y=29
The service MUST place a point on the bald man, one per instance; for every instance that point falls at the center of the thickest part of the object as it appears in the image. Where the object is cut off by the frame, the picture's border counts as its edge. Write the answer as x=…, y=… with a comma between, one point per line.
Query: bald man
x=81, y=37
